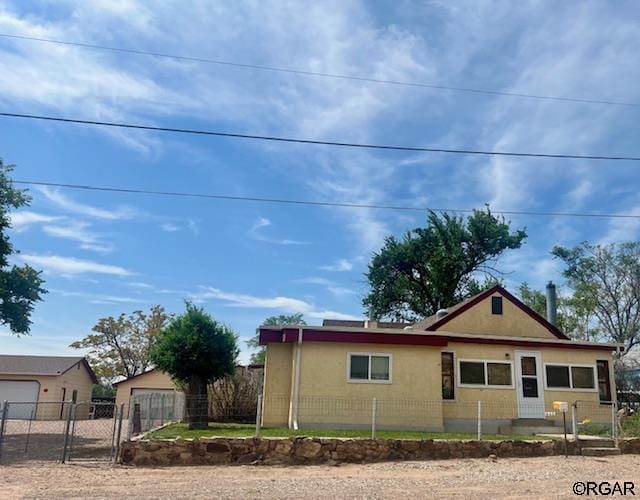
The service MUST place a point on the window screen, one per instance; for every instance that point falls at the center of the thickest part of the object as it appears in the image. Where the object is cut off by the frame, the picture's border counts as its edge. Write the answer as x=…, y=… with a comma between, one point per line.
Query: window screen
x=496, y=305
x=448, y=388
x=379, y=368
x=472, y=372
x=582, y=377
x=558, y=376
x=498, y=374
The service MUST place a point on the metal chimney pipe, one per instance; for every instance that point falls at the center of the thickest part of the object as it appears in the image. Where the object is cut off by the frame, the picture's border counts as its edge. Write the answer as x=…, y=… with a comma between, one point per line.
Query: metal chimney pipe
x=552, y=303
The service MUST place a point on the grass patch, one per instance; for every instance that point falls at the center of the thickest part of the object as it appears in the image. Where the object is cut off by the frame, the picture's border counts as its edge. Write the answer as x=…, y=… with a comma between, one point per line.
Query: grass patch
x=246, y=430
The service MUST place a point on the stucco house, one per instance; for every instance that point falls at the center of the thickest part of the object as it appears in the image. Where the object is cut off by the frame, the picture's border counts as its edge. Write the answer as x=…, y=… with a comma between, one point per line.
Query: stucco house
x=46, y=380
x=430, y=375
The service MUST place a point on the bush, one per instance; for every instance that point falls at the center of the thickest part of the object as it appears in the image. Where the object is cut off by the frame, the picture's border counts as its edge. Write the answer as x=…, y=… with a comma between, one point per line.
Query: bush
x=235, y=397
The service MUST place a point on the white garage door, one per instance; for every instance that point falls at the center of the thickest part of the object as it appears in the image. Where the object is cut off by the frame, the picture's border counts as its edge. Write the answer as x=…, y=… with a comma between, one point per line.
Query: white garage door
x=20, y=391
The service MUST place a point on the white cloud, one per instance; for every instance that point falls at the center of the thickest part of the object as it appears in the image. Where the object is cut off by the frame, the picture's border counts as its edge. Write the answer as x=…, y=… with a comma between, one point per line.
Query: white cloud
x=67, y=203
x=100, y=298
x=337, y=290
x=78, y=231
x=280, y=303
x=71, y=266
x=339, y=265
x=256, y=233
x=169, y=227
x=22, y=219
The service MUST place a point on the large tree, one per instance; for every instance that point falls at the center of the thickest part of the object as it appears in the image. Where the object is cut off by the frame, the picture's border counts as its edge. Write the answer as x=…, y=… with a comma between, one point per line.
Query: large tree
x=607, y=277
x=20, y=286
x=196, y=350
x=437, y=265
x=259, y=356
x=121, y=347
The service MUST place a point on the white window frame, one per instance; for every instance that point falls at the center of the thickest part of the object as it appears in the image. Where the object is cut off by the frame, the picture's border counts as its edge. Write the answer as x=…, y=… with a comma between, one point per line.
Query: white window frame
x=369, y=380
x=486, y=374
x=570, y=388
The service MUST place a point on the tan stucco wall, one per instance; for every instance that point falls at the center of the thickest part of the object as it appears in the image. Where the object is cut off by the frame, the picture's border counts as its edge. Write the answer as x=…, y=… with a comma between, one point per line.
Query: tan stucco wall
x=513, y=322
x=151, y=380
x=502, y=403
x=77, y=378
x=413, y=399
x=277, y=385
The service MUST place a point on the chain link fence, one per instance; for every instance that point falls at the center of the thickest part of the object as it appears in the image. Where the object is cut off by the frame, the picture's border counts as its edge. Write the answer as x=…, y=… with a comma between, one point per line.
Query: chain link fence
x=150, y=410
x=59, y=431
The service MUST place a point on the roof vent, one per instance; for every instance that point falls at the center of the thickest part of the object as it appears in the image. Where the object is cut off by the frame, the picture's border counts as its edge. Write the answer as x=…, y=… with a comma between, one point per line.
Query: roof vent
x=441, y=313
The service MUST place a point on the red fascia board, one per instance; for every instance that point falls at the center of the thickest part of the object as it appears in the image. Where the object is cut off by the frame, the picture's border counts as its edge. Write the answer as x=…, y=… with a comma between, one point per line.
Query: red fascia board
x=373, y=338
x=270, y=336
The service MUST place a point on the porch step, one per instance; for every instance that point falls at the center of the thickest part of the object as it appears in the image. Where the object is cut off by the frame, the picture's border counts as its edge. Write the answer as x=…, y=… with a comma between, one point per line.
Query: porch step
x=530, y=426
x=600, y=452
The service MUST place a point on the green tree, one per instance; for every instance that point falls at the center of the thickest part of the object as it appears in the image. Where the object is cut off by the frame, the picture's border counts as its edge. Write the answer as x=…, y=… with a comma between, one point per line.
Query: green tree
x=259, y=356
x=575, y=315
x=121, y=347
x=196, y=350
x=438, y=265
x=20, y=286
x=606, y=278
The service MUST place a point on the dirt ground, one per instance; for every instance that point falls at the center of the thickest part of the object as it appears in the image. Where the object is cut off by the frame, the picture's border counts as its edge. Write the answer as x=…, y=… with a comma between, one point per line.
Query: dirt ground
x=548, y=477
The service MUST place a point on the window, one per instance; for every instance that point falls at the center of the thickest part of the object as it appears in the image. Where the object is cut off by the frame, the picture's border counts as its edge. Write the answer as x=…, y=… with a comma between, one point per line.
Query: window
x=448, y=389
x=496, y=305
x=485, y=373
x=558, y=376
x=578, y=377
x=367, y=367
x=604, y=385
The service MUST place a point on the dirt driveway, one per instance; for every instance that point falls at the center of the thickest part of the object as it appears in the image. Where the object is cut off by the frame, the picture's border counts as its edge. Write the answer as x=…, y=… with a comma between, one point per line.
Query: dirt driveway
x=549, y=477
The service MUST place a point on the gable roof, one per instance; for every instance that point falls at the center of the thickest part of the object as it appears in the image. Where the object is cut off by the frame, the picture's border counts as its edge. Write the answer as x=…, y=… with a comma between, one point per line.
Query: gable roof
x=11, y=364
x=432, y=323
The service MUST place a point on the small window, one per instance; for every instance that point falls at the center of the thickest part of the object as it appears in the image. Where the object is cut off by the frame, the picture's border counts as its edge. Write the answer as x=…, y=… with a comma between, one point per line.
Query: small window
x=74, y=396
x=472, y=372
x=448, y=387
x=496, y=305
x=558, y=376
x=369, y=367
x=604, y=385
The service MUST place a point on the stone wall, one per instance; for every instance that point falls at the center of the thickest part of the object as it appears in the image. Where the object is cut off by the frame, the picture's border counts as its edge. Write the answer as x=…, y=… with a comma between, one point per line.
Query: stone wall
x=332, y=451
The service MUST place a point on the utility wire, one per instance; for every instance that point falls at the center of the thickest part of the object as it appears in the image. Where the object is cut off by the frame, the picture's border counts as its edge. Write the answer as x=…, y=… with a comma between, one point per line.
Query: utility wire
x=320, y=74
x=321, y=143
x=183, y=194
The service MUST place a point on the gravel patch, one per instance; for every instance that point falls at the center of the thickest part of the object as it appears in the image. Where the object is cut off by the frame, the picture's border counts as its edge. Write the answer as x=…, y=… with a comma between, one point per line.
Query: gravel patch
x=543, y=477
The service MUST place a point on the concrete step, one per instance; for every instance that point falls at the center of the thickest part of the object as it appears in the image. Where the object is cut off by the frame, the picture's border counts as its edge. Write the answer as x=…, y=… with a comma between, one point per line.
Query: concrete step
x=600, y=452
x=532, y=429
x=596, y=443
x=535, y=422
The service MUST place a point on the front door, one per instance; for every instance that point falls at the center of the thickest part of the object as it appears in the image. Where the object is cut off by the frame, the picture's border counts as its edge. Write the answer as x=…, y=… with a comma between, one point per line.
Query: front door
x=529, y=384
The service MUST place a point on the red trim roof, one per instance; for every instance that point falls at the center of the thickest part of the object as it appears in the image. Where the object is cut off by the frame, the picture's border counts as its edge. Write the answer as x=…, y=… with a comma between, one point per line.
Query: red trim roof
x=514, y=300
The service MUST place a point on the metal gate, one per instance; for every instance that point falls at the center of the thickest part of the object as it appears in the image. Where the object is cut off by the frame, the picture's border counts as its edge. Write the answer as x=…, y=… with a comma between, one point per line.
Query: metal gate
x=59, y=431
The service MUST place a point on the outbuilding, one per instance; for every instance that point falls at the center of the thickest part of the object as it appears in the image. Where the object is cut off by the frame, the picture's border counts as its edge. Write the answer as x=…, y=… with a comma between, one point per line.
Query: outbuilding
x=38, y=384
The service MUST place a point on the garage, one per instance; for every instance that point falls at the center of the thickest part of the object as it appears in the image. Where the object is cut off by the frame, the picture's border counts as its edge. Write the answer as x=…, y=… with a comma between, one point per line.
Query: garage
x=20, y=391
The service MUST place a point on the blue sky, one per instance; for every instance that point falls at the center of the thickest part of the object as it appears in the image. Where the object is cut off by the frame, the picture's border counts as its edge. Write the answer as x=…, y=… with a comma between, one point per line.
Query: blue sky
x=106, y=253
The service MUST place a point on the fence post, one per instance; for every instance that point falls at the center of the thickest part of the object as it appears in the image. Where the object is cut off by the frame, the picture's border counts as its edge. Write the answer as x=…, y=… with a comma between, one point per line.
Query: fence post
x=119, y=432
x=162, y=402
x=374, y=412
x=3, y=421
x=574, y=421
x=479, y=420
x=67, y=428
x=259, y=416
x=149, y=409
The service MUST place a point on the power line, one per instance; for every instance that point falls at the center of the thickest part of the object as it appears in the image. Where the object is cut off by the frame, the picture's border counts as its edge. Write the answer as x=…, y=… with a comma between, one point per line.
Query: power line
x=320, y=143
x=315, y=203
x=320, y=74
